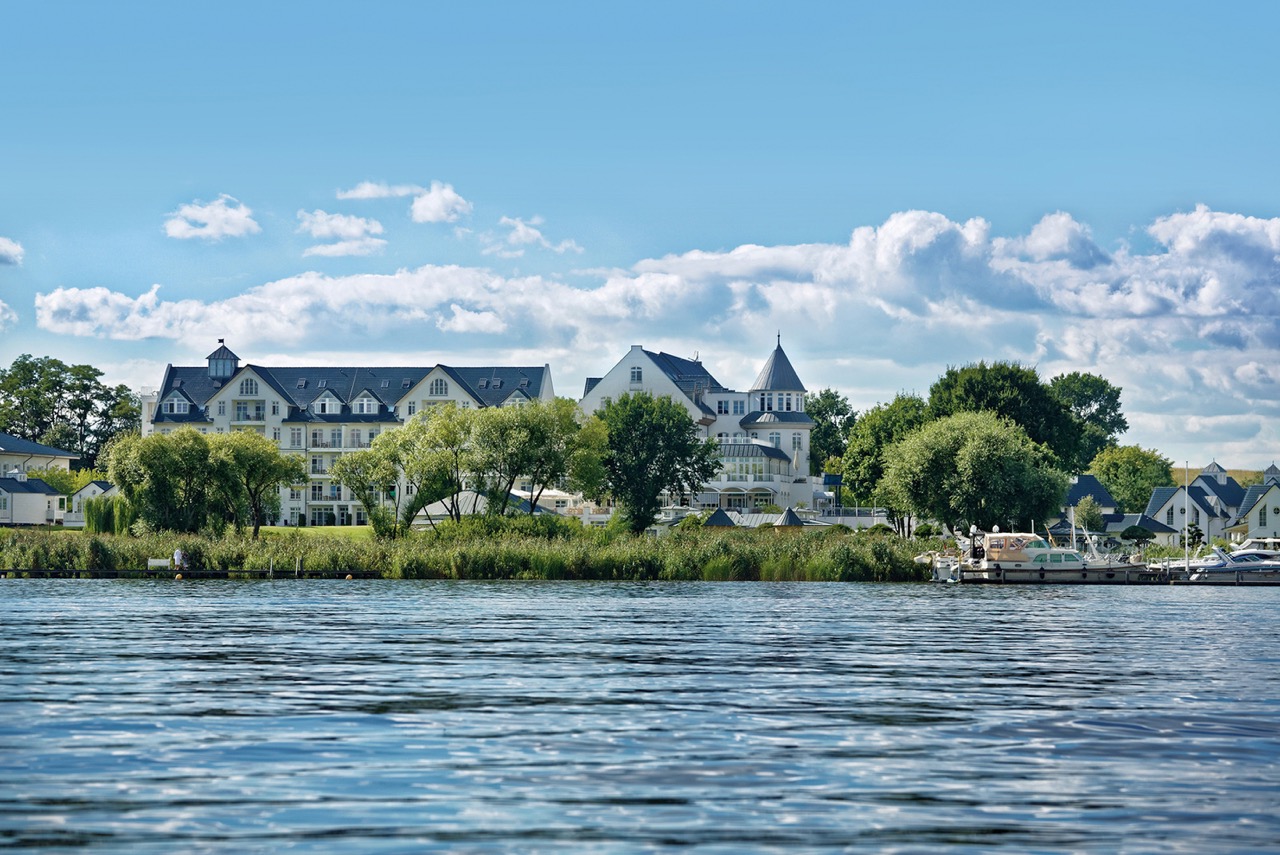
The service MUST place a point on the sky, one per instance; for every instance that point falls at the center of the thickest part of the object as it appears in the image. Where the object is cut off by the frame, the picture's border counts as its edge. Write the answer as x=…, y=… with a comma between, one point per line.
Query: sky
x=894, y=189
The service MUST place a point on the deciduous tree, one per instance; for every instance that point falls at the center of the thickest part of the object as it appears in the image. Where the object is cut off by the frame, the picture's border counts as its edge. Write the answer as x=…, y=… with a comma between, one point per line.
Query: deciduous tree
x=1014, y=392
x=831, y=416
x=1130, y=473
x=653, y=447
x=974, y=468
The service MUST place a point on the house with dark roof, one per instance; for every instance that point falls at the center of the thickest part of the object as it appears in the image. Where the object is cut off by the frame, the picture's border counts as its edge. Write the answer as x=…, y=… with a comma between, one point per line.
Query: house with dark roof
x=1210, y=502
x=323, y=412
x=1258, y=519
x=75, y=503
x=763, y=433
x=29, y=501
x=25, y=455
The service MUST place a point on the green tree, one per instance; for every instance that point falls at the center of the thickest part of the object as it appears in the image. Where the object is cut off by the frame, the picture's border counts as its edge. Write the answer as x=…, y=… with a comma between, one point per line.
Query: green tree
x=587, y=474
x=502, y=451
x=1088, y=514
x=1095, y=405
x=1138, y=535
x=172, y=480
x=66, y=406
x=1130, y=473
x=653, y=447
x=831, y=416
x=1014, y=392
x=974, y=468
x=371, y=474
x=554, y=429
x=258, y=469
x=871, y=434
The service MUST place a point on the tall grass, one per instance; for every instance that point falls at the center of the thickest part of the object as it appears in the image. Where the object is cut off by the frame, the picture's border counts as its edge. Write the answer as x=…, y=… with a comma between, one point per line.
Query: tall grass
x=515, y=549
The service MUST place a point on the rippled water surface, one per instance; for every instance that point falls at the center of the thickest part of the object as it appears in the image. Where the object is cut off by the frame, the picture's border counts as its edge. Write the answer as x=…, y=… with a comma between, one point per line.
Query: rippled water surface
x=547, y=717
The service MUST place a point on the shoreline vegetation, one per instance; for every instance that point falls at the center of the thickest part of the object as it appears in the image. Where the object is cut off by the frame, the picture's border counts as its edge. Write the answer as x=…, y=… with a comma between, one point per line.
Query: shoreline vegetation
x=527, y=548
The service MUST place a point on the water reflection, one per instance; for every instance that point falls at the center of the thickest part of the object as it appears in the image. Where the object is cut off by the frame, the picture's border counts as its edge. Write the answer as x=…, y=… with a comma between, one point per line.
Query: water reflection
x=401, y=716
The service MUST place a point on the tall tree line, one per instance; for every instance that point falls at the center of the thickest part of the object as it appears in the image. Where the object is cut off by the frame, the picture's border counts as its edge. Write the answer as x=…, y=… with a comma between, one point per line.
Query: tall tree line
x=44, y=400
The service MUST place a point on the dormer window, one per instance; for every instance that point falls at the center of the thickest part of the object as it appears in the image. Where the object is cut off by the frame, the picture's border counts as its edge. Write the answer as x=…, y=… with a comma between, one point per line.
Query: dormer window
x=176, y=406
x=325, y=405
x=248, y=386
x=483, y=384
x=497, y=383
x=366, y=406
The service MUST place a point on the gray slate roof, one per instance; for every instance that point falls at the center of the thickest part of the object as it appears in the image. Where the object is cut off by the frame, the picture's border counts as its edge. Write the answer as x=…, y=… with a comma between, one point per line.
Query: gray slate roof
x=777, y=374
x=299, y=386
x=759, y=418
x=752, y=449
x=10, y=444
x=1088, y=485
x=31, y=485
x=688, y=374
x=719, y=518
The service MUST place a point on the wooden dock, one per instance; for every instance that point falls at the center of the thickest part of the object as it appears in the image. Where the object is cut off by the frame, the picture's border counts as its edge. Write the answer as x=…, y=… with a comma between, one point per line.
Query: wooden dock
x=189, y=574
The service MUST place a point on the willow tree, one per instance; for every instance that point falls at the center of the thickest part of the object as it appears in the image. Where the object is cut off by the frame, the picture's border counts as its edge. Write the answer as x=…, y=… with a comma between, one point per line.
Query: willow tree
x=974, y=468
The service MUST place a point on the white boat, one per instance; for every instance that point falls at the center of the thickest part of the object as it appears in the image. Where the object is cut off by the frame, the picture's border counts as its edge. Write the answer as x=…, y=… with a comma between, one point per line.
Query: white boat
x=1242, y=567
x=1022, y=557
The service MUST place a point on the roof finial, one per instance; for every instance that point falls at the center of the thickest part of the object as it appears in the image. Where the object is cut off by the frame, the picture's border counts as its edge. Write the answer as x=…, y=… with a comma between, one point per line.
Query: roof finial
x=222, y=341
x=779, y=338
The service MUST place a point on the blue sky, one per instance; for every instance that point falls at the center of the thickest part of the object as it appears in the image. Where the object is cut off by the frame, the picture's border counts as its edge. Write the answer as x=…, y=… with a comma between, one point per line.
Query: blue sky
x=895, y=188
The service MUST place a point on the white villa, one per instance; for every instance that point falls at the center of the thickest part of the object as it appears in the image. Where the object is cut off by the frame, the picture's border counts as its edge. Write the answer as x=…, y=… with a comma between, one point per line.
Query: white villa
x=763, y=433
x=1210, y=502
x=323, y=413
x=1258, y=518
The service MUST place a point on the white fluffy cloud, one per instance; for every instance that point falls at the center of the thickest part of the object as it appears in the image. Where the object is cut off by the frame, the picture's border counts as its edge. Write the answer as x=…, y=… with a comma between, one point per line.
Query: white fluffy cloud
x=222, y=218
x=8, y=317
x=1187, y=330
x=346, y=235
x=380, y=190
x=11, y=251
x=521, y=235
x=439, y=204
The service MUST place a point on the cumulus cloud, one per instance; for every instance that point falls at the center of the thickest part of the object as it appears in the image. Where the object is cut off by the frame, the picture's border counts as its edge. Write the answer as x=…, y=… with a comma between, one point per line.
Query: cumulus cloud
x=347, y=235
x=222, y=218
x=8, y=317
x=521, y=235
x=11, y=251
x=380, y=190
x=1186, y=330
x=439, y=204
x=464, y=321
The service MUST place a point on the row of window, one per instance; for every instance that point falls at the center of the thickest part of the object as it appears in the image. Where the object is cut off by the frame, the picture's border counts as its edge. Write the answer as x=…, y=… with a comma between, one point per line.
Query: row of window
x=775, y=438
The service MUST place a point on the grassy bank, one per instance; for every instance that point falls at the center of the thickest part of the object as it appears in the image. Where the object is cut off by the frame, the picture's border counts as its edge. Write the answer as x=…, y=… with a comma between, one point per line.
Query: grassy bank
x=505, y=550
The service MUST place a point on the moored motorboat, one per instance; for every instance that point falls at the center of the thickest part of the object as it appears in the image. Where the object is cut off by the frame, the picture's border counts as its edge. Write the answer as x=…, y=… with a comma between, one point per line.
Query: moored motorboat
x=1243, y=567
x=1022, y=557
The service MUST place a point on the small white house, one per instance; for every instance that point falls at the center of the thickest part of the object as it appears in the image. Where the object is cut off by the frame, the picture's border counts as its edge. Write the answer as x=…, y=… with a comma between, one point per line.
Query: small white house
x=29, y=501
x=75, y=505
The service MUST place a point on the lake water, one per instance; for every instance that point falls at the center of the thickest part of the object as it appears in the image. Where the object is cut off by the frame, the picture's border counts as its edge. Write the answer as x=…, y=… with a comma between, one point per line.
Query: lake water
x=395, y=716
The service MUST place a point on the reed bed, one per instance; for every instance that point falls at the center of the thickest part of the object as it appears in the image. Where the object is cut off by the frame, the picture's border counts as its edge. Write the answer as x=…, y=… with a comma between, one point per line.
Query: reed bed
x=494, y=550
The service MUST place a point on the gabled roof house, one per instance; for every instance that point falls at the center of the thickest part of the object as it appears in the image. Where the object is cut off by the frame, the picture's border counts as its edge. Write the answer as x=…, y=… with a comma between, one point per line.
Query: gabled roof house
x=763, y=433
x=322, y=412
